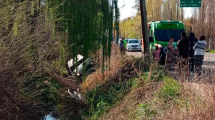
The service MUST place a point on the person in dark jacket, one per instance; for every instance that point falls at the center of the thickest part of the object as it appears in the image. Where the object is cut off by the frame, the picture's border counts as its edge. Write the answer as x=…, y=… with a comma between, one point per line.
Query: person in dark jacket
x=183, y=48
x=121, y=45
x=192, y=40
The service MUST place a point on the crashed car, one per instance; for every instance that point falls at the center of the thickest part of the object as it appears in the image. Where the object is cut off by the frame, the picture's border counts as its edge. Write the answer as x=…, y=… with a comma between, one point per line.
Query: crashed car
x=81, y=68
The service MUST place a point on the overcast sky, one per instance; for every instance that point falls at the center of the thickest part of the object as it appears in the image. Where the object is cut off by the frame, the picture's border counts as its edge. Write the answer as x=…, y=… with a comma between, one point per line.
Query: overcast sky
x=128, y=11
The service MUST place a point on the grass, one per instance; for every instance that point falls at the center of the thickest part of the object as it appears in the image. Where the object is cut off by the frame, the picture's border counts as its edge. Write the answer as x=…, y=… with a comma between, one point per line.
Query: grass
x=170, y=89
x=210, y=51
x=145, y=95
x=162, y=97
x=107, y=94
x=42, y=90
x=165, y=98
x=105, y=98
x=150, y=95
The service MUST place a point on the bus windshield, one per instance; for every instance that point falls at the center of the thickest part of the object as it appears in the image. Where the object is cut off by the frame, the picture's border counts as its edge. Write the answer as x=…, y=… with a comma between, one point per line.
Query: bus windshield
x=166, y=34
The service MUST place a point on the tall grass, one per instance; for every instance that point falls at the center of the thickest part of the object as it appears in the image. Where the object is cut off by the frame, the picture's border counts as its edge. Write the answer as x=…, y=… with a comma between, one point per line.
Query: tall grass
x=106, y=96
x=160, y=96
x=101, y=99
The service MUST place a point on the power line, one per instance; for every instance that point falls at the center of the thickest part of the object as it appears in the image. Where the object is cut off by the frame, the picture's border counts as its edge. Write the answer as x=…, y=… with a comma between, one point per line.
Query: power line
x=122, y=6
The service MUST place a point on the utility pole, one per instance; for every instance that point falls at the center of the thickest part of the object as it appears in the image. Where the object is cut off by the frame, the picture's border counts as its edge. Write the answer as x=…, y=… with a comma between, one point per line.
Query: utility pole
x=144, y=27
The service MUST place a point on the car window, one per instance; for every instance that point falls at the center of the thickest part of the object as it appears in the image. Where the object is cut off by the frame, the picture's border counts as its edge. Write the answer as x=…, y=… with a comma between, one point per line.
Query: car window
x=133, y=41
x=74, y=66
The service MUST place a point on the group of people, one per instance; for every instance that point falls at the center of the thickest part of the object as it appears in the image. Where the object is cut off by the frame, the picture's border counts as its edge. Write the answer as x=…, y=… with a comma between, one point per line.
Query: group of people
x=190, y=53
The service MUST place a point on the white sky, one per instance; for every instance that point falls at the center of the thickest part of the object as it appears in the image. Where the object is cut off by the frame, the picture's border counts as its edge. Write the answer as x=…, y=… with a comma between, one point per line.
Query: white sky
x=128, y=11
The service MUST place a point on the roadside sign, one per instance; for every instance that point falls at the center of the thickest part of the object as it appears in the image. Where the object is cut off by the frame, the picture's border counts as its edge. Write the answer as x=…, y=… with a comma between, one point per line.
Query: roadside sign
x=190, y=3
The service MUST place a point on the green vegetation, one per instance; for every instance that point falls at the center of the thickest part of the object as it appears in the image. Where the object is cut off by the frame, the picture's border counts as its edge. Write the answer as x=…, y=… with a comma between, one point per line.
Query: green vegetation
x=153, y=95
x=43, y=91
x=38, y=37
x=131, y=27
x=146, y=111
x=170, y=89
x=101, y=99
x=87, y=24
x=169, y=95
x=210, y=51
x=108, y=95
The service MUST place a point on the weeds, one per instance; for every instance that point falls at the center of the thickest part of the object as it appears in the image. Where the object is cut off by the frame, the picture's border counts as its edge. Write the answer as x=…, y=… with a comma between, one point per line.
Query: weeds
x=158, y=96
x=145, y=111
x=105, y=98
x=170, y=89
x=42, y=90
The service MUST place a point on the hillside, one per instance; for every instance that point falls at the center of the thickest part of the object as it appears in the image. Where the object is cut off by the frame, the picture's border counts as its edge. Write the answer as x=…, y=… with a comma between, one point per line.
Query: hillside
x=128, y=92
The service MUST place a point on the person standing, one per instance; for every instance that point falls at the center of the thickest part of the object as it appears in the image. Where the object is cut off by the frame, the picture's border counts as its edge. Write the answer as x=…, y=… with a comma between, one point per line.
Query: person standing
x=193, y=41
x=156, y=54
x=199, y=48
x=183, y=48
x=170, y=54
x=121, y=45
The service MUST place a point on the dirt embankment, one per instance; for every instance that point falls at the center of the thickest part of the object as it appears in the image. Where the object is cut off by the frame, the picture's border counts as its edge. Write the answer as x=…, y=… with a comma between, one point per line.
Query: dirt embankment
x=205, y=91
x=192, y=104
x=121, y=69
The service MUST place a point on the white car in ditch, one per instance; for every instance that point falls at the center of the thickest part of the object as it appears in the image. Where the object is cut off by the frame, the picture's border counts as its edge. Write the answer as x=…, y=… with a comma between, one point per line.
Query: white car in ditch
x=83, y=66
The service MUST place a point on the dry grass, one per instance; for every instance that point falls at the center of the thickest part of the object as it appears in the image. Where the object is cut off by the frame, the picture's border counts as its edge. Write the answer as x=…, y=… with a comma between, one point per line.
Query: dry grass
x=189, y=106
x=200, y=104
x=124, y=110
x=117, y=61
x=196, y=100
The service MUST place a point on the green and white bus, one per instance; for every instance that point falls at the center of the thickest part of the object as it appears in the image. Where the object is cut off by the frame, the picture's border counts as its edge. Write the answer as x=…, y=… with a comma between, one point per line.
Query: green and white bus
x=161, y=31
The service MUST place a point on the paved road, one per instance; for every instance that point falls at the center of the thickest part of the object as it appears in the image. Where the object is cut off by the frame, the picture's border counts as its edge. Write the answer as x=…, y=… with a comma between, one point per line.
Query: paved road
x=209, y=58
x=135, y=54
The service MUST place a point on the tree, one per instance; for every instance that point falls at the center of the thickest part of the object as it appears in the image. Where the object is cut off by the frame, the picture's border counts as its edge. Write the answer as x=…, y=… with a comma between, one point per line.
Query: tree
x=203, y=20
x=36, y=42
x=171, y=10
